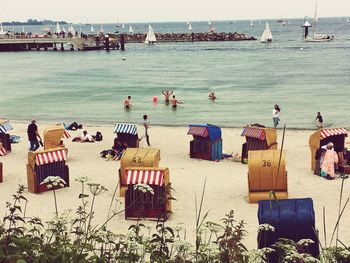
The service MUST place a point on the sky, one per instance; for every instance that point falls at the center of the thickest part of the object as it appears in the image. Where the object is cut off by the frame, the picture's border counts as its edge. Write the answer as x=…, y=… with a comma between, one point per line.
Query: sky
x=128, y=11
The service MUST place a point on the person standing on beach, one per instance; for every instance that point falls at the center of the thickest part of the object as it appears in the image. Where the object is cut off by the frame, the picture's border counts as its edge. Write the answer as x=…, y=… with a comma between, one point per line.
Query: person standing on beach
x=319, y=120
x=275, y=115
x=146, y=126
x=167, y=94
x=127, y=103
x=329, y=160
x=33, y=136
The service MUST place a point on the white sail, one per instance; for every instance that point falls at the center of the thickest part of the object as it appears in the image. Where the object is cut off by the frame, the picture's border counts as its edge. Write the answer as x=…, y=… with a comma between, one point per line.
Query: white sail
x=92, y=30
x=251, y=23
x=190, y=27
x=347, y=20
x=123, y=25
x=58, y=28
x=2, y=31
x=151, y=37
x=209, y=23
x=72, y=30
x=64, y=30
x=267, y=35
x=131, y=31
x=23, y=29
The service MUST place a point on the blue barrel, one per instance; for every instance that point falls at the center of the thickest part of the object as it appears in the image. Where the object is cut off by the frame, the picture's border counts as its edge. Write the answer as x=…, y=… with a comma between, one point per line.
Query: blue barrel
x=292, y=218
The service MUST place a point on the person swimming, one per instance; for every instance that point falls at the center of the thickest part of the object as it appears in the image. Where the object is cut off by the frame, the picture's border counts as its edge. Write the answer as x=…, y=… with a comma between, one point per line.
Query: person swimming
x=127, y=103
x=167, y=94
x=212, y=96
x=174, y=102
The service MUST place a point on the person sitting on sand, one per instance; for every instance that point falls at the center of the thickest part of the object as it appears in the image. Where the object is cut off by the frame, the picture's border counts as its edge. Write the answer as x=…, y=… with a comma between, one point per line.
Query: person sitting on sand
x=319, y=120
x=85, y=137
x=328, y=163
x=122, y=149
x=212, y=96
x=167, y=94
x=127, y=103
x=174, y=102
x=73, y=126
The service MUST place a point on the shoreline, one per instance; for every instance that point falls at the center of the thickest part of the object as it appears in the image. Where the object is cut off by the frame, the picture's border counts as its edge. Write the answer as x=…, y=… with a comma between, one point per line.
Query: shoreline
x=105, y=124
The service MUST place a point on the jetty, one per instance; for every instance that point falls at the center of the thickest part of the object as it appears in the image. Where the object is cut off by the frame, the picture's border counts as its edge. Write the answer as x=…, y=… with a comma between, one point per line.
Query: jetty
x=189, y=37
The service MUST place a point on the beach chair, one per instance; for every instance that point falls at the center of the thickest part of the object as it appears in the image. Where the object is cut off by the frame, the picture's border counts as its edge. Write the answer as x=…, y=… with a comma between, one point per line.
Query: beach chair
x=5, y=138
x=136, y=157
x=127, y=133
x=293, y=219
x=1, y=173
x=258, y=138
x=146, y=205
x=53, y=136
x=264, y=176
x=42, y=164
x=206, y=143
x=322, y=137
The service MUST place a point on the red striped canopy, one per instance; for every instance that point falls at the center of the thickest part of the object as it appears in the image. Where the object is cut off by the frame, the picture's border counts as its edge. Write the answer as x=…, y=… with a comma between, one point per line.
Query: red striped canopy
x=144, y=177
x=254, y=132
x=66, y=134
x=198, y=131
x=50, y=157
x=2, y=151
x=331, y=132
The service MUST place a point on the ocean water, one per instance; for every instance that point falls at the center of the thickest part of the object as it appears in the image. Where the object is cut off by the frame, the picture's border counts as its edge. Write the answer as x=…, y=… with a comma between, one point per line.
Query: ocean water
x=248, y=77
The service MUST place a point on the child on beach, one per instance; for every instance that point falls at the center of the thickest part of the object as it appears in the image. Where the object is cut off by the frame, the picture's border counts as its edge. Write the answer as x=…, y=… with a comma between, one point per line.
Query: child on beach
x=275, y=115
x=319, y=120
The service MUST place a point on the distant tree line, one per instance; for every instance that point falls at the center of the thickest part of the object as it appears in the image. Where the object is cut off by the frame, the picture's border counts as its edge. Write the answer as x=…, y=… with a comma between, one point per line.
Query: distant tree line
x=33, y=22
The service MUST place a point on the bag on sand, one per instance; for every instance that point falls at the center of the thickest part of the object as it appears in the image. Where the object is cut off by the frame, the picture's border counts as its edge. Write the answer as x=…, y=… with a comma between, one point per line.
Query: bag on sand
x=99, y=136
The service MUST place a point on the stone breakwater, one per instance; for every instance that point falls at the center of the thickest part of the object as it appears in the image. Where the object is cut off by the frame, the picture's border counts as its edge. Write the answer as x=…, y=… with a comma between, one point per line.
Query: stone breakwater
x=189, y=37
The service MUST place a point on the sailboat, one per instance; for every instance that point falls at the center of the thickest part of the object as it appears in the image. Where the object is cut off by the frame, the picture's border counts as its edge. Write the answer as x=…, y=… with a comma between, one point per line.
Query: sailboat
x=131, y=31
x=151, y=37
x=266, y=37
x=347, y=20
x=190, y=27
x=251, y=23
x=2, y=31
x=211, y=28
x=317, y=37
x=92, y=30
x=58, y=28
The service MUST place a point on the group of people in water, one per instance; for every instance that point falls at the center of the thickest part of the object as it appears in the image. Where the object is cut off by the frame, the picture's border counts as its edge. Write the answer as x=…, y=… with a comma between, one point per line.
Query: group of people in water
x=167, y=99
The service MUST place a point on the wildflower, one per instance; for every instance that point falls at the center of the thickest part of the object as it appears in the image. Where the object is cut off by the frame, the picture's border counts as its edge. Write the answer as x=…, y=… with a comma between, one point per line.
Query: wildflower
x=97, y=189
x=305, y=242
x=54, y=182
x=82, y=179
x=144, y=188
x=266, y=228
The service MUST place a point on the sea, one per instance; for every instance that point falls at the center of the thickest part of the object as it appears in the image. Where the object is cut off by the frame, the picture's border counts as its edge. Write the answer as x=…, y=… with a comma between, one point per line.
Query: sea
x=248, y=77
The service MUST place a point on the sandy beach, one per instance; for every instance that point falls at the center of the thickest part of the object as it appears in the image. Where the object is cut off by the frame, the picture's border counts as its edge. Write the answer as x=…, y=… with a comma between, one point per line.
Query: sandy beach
x=226, y=189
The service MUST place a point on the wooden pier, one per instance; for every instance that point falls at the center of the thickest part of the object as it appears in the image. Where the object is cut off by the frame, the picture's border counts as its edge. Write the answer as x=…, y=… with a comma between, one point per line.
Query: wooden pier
x=58, y=43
